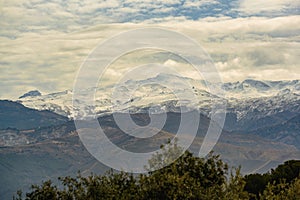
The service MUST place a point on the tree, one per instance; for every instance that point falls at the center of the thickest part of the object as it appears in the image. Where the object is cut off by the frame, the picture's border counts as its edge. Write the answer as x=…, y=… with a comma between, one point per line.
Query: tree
x=272, y=181
x=287, y=171
x=256, y=183
x=44, y=192
x=282, y=191
x=235, y=188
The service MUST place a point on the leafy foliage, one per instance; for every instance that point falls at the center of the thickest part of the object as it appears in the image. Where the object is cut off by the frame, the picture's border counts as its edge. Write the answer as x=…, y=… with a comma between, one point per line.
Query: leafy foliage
x=278, y=179
x=282, y=191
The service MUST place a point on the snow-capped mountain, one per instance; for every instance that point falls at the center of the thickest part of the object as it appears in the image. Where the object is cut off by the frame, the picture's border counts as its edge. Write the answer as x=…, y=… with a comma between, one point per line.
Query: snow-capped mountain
x=248, y=101
x=252, y=113
x=137, y=96
x=60, y=102
x=250, y=88
x=32, y=93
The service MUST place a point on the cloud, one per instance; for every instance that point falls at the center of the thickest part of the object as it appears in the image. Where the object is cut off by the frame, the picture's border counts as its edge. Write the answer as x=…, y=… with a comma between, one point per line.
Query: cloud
x=40, y=15
x=269, y=7
x=197, y=3
x=67, y=16
x=239, y=47
x=243, y=46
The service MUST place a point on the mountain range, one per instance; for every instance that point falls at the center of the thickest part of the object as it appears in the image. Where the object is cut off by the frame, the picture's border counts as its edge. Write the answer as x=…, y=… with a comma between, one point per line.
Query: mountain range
x=38, y=138
x=251, y=104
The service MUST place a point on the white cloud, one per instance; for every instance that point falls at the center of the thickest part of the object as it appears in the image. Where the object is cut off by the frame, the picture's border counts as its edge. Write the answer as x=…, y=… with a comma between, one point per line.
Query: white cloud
x=198, y=3
x=267, y=6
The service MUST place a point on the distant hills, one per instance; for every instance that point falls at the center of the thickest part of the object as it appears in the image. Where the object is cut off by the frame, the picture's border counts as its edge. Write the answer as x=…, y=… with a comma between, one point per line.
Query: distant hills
x=287, y=132
x=16, y=116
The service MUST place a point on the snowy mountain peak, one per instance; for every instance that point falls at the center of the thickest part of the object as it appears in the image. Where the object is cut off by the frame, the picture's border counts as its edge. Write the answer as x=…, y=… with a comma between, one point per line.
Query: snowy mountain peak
x=259, y=85
x=159, y=90
x=33, y=93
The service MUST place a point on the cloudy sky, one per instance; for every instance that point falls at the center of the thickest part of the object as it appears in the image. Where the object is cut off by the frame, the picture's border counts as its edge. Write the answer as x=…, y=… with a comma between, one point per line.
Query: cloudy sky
x=44, y=42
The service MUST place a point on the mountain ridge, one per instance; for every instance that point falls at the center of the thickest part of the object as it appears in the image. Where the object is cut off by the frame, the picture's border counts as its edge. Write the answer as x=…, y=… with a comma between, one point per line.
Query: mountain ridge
x=16, y=115
x=261, y=104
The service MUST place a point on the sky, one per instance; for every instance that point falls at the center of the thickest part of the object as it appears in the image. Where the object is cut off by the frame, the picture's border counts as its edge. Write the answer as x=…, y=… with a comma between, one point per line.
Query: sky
x=43, y=43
